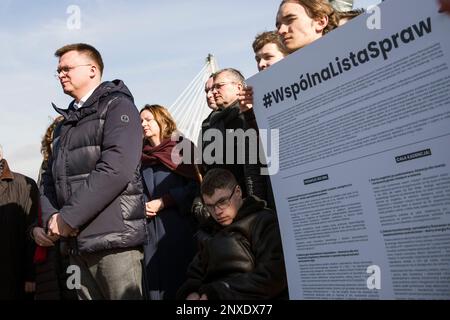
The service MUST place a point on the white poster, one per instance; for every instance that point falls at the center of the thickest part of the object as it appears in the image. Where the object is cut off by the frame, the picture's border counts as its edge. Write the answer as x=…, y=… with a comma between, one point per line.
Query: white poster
x=363, y=186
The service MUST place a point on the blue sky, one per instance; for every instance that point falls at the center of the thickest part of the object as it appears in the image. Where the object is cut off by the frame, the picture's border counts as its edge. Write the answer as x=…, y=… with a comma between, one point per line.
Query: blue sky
x=155, y=47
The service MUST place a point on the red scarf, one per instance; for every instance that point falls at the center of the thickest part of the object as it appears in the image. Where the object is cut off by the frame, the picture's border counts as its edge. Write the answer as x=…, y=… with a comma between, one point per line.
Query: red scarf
x=162, y=154
x=40, y=254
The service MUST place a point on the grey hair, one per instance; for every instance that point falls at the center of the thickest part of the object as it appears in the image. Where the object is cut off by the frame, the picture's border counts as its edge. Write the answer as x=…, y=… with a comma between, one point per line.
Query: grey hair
x=235, y=74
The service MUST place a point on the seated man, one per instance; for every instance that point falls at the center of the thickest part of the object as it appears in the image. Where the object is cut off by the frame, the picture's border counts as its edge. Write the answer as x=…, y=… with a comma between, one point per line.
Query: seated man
x=241, y=256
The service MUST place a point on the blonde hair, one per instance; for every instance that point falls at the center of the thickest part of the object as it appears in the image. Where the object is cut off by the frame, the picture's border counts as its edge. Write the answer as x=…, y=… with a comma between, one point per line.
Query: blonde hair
x=47, y=140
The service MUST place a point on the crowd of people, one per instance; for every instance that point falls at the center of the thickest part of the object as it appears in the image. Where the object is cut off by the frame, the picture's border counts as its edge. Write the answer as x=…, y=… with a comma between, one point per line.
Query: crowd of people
x=119, y=201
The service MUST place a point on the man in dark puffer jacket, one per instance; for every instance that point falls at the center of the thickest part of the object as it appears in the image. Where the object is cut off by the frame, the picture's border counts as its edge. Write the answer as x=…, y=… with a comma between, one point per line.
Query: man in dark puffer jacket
x=92, y=189
x=240, y=254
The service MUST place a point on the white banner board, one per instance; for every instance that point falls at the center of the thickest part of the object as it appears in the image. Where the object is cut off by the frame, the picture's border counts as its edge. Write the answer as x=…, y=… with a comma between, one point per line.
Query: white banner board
x=363, y=187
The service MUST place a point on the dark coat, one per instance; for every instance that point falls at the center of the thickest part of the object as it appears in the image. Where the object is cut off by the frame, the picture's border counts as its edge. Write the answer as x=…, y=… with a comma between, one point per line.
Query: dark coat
x=171, y=234
x=94, y=179
x=241, y=261
x=247, y=173
x=19, y=203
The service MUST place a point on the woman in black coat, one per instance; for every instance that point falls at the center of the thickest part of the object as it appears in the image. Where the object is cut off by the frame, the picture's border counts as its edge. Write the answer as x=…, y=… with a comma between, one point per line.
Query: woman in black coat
x=169, y=190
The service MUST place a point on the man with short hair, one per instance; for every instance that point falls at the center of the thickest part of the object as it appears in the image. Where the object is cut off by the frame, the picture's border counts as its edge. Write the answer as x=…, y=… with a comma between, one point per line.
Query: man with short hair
x=301, y=22
x=209, y=94
x=211, y=102
x=298, y=23
x=228, y=83
x=92, y=188
x=269, y=49
x=242, y=257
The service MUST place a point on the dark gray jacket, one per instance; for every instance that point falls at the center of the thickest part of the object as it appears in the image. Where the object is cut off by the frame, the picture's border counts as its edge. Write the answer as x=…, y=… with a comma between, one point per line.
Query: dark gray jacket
x=93, y=178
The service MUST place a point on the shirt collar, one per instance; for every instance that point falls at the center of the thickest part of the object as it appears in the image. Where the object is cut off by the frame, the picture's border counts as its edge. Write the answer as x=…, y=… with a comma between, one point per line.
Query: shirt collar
x=79, y=104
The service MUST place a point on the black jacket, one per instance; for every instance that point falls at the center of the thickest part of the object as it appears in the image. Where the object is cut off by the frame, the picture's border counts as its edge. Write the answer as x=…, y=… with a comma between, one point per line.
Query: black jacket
x=241, y=261
x=229, y=121
x=93, y=178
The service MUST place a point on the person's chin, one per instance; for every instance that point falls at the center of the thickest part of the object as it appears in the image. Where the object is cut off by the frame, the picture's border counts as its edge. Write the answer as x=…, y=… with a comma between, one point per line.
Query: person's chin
x=225, y=222
x=67, y=90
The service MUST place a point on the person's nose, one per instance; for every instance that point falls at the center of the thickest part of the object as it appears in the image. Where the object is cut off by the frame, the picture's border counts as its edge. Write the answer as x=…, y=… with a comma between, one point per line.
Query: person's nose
x=282, y=29
x=218, y=211
x=262, y=64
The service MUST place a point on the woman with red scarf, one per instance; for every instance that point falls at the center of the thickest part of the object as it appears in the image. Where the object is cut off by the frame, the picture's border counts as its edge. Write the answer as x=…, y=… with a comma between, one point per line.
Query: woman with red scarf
x=169, y=188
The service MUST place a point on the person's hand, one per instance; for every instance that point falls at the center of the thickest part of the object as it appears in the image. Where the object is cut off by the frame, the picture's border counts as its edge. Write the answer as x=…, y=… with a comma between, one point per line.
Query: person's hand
x=74, y=233
x=57, y=226
x=445, y=6
x=153, y=207
x=42, y=239
x=30, y=287
x=193, y=296
x=204, y=297
x=245, y=98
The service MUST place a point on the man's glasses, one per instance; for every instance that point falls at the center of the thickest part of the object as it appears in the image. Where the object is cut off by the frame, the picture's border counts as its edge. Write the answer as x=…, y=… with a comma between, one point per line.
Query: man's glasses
x=65, y=70
x=219, y=85
x=222, y=204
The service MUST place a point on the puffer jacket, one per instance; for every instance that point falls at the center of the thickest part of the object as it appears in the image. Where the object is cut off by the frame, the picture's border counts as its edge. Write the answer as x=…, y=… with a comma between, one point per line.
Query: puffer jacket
x=93, y=179
x=241, y=261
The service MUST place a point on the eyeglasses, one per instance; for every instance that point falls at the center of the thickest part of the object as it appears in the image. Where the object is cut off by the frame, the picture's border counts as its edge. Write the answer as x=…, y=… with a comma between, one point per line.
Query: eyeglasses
x=222, y=204
x=65, y=70
x=219, y=85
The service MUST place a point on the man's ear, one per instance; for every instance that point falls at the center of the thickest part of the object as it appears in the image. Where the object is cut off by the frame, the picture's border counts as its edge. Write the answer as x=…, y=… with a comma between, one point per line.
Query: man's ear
x=321, y=23
x=94, y=71
x=239, y=191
